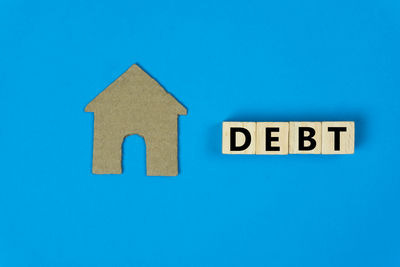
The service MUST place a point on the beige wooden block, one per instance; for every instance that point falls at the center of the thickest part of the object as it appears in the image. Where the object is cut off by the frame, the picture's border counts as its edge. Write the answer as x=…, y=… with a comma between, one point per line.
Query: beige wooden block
x=304, y=137
x=238, y=137
x=338, y=137
x=272, y=138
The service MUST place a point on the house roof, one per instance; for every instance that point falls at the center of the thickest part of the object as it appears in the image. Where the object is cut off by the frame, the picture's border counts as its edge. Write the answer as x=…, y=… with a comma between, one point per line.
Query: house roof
x=136, y=87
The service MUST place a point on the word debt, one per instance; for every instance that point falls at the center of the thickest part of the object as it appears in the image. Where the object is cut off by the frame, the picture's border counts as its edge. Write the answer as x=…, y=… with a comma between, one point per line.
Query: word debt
x=282, y=138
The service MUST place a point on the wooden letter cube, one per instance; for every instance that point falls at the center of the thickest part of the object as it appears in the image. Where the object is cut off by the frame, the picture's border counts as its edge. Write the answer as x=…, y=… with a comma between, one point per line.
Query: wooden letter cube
x=304, y=137
x=238, y=137
x=272, y=138
x=337, y=137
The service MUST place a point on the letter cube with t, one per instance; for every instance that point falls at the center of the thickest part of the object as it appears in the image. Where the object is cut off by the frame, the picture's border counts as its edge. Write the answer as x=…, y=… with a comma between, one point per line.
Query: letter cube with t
x=239, y=137
x=272, y=138
x=337, y=137
x=304, y=137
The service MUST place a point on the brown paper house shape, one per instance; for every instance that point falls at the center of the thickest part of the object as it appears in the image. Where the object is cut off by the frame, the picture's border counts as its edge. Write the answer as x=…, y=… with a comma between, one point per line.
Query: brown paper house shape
x=135, y=104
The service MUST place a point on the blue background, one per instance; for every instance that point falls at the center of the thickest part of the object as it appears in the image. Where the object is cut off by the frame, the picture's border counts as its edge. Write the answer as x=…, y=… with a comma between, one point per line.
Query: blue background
x=224, y=60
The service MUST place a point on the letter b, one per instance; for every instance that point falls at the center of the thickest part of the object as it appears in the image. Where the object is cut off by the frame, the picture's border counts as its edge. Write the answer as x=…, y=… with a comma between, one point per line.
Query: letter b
x=305, y=137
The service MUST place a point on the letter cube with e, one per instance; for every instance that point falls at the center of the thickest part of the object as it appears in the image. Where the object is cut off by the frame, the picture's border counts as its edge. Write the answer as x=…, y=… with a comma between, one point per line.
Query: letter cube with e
x=239, y=137
x=337, y=137
x=272, y=138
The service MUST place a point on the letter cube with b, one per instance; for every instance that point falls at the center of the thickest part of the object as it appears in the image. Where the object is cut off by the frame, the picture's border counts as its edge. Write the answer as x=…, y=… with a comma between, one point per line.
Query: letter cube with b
x=238, y=137
x=304, y=137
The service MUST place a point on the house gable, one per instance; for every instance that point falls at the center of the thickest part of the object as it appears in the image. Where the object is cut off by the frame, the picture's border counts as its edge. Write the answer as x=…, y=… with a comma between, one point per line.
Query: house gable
x=135, y=88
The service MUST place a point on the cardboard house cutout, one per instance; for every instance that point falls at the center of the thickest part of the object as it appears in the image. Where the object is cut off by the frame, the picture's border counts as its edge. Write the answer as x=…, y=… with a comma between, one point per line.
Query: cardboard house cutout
x=135, y=104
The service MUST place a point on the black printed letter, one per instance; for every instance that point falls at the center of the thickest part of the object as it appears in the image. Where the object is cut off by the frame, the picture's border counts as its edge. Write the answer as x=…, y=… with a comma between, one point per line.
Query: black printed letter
x=269, y=139
x=247, y=137
x=303, y=138
x=337, y=131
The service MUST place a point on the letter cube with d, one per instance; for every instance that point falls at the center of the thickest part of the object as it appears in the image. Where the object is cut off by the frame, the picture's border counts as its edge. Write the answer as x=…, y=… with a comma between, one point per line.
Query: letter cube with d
x=239, y=137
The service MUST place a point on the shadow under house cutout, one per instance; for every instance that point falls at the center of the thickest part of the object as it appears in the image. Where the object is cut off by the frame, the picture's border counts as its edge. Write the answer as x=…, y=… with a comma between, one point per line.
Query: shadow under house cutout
x=136, y=104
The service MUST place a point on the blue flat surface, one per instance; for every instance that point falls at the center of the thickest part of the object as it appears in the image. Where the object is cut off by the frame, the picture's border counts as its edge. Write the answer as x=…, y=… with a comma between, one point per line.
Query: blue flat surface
x=224, y=60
